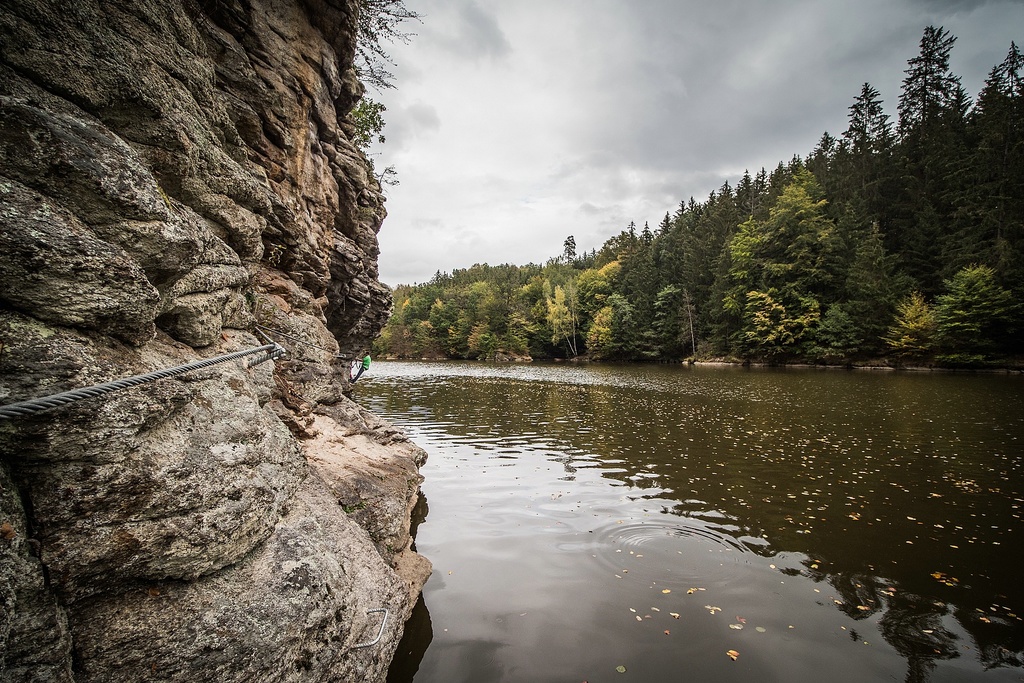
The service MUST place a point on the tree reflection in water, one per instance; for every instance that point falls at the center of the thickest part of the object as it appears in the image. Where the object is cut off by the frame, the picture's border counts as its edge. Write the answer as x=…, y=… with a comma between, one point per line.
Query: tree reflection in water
x=902, y=493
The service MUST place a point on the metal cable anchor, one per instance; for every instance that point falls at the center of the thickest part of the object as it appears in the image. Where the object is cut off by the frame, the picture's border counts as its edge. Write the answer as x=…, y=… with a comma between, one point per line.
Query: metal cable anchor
x=380, y=633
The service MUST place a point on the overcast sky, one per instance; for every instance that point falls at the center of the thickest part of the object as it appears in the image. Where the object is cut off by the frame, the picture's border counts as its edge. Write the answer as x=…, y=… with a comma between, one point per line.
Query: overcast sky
x=516, y=123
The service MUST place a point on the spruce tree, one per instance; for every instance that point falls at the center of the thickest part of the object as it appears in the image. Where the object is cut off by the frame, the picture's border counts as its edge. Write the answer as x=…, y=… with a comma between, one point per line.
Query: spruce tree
x=991, y=220
x=932, y=132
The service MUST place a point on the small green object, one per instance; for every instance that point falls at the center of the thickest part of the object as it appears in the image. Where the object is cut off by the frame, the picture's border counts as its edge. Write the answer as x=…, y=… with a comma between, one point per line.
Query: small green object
x=621, y=669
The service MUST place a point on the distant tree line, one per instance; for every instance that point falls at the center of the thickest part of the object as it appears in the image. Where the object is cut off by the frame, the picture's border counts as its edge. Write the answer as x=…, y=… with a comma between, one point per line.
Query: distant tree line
x=900, y=240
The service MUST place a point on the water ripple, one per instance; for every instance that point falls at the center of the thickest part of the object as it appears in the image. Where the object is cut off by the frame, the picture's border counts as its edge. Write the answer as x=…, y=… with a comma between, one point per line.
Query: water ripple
x=665, y=536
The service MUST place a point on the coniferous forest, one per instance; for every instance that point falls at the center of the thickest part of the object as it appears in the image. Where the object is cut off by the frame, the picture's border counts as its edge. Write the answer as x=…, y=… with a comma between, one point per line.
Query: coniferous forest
x=898, y=240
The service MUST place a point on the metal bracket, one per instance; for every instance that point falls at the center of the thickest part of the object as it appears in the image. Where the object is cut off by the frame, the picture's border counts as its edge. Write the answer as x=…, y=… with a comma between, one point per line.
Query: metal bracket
x=380, y=633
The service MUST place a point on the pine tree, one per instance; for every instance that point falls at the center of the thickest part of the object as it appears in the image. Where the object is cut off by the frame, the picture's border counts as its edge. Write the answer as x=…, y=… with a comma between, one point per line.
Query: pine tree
x=868, y=156
x=990, y=221
x=873, y=288
x=912, y=333
x=747, y=195
x=975, y=317
x=930, y=89
x=569, y=249
x=932, y=130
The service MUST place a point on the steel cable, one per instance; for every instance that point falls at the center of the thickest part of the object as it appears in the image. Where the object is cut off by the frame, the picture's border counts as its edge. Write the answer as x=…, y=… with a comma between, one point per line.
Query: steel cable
x=35, y=405
x=286, y=335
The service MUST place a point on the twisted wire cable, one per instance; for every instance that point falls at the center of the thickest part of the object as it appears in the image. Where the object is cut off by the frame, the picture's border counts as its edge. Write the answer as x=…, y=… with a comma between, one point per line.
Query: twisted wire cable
x=291, y=338
x=35, y=405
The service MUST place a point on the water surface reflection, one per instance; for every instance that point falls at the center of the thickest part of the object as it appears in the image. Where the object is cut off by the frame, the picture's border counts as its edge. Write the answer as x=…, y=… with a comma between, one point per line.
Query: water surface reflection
x=656, y=517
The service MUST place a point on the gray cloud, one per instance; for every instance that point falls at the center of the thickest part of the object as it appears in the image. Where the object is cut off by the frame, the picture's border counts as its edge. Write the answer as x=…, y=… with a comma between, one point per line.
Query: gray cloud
x=470, y=32
x=515, y=124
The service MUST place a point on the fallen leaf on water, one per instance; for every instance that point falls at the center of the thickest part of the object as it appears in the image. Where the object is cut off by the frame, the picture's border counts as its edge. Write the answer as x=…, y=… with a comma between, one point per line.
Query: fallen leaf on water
x=667, y=632
x=863, y=608
x=741, y=620
x=655, y=609
x=632, y=610
x=666, y=590
x=760, y=629
x=691, y=591
x=712, y=608
x=639, y=618
x=621, y=669
x=675, y=615
x=736, y=627
x=733, y=654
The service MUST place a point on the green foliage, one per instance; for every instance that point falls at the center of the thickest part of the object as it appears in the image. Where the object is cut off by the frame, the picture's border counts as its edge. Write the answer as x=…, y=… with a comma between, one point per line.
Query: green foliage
x=368, y=118
x=481, y=341
x=569, y=249
x=773, y=328
x=815, y=260
x=594, y=287
x=563, y=316
x=613, y=332
x=872, y=289
x=838, y=337
x=913, y=332
x=599, y=336
x=780, y=270
x=668, y=326
x=975, y=315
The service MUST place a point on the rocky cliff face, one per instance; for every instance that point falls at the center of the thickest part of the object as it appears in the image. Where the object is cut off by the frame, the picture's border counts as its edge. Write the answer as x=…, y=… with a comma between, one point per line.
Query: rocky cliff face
x=173, y=173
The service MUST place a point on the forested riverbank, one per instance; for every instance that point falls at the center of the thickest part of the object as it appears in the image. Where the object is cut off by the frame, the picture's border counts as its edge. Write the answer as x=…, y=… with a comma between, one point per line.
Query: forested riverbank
x=899, y=241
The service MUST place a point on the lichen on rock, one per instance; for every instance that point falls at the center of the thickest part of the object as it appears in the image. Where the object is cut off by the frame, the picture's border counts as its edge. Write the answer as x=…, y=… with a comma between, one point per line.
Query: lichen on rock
x=173, y=174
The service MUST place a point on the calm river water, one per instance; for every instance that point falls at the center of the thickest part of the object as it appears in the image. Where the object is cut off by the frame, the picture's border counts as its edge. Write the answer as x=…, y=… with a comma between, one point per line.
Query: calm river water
x=673, y=523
